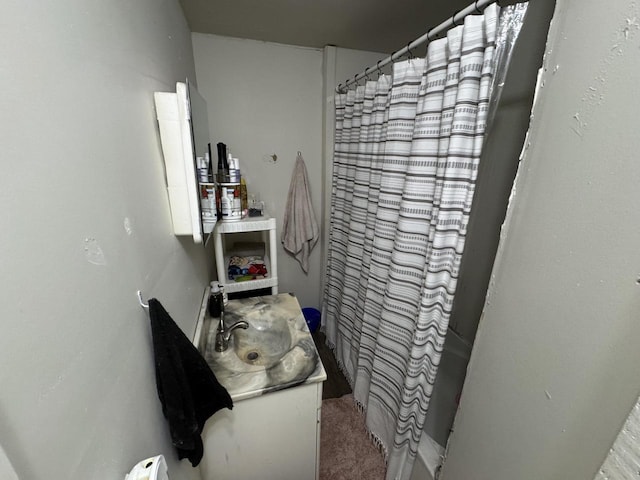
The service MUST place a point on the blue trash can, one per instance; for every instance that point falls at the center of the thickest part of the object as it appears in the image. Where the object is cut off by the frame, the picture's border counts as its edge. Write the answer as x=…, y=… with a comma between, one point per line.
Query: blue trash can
x=312, y=317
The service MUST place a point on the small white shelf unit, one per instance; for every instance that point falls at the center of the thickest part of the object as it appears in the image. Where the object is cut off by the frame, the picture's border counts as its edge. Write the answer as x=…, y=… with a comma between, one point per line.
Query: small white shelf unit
x=267, y=226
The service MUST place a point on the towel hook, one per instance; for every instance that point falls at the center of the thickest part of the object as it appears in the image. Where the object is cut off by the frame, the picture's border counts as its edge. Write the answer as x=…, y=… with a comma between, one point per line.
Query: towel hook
x=142, y=304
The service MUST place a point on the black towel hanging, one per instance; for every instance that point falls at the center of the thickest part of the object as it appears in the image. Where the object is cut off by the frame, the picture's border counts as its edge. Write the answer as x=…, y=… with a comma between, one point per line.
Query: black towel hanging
x=187, y=388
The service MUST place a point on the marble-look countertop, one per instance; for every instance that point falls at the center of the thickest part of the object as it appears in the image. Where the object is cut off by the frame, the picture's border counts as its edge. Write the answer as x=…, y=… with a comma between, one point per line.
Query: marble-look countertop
x=274, y=353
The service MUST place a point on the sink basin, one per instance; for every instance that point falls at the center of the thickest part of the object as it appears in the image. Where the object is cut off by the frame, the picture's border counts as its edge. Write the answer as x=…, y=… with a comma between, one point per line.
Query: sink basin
x=276, y=351
x=266, y=341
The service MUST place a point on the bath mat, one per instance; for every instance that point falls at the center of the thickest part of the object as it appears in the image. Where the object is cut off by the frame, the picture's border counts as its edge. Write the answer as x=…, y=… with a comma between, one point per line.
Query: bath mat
x=346, y=452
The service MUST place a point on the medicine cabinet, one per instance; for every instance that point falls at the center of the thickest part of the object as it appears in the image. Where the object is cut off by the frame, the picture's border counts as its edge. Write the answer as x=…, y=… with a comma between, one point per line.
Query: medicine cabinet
x=184, y=134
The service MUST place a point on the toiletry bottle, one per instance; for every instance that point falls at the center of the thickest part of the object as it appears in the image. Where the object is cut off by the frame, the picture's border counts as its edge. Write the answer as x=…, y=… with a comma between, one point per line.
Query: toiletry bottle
x=211, y=173
x=223, y=167
x=225, y=296
x=243, y=197
x=225, y=203
x=236, y=206
x=234, y=199
x=211, y=198
x=216, y=189
x=207, y=167
x=202, y=177
x=215, y=300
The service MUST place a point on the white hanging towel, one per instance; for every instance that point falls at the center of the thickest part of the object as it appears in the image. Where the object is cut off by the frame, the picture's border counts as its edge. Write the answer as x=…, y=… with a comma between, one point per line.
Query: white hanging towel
x=300, y=230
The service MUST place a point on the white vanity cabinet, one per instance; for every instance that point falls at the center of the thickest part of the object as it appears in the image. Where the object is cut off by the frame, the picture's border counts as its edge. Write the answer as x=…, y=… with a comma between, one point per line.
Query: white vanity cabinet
x=275, y=436
x=273, y=431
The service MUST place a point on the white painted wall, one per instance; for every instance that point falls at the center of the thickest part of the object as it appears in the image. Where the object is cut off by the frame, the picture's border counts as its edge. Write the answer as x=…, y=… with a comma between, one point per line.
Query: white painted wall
x=553, y=373
x=265, y=98
x=86, y=223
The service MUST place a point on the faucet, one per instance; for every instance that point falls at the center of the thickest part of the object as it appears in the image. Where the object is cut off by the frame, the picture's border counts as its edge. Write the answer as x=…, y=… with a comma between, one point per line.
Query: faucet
x=223, y=334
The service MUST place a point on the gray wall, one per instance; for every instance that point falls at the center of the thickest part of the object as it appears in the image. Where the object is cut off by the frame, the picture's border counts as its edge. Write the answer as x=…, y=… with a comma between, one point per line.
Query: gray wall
x=553, y=373
x=265, y=98
x=86, y=223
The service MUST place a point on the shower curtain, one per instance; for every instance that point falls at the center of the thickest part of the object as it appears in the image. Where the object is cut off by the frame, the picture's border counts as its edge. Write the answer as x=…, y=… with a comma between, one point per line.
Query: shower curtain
x=406, y=156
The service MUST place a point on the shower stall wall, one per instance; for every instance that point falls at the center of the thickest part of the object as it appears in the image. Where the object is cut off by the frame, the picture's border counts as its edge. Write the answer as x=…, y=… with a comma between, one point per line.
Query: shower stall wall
x=442, y=407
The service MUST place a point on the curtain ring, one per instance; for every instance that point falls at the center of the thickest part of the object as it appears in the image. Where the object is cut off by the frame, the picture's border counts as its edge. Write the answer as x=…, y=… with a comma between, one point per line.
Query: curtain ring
x=378, y=67
x=411, y=57
x=476, y=7
x=454, y=18
x=366, y=74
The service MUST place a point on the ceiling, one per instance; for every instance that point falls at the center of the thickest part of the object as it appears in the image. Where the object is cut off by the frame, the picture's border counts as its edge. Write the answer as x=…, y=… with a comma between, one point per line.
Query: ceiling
x=374, y=25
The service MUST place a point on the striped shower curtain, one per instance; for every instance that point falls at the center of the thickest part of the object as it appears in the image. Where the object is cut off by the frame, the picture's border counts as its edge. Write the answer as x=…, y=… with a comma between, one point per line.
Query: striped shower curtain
x=406, y=155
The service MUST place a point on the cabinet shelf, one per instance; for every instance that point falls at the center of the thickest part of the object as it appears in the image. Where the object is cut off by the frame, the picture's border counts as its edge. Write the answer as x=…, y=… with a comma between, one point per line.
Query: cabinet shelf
x=267, y=226
x=257, y=284
x=249, y=224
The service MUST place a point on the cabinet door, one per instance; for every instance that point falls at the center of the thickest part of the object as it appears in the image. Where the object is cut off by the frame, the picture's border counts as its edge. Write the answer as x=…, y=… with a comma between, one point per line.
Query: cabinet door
x=184, y=133
x=272, y=437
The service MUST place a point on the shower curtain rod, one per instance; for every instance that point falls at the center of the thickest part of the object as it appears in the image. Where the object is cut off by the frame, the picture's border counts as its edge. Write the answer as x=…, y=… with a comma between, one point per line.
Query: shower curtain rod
x=475, y=7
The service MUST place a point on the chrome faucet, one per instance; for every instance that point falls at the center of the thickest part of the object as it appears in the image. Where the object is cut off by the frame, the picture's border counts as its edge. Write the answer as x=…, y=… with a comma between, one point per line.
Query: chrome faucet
x=223, y=334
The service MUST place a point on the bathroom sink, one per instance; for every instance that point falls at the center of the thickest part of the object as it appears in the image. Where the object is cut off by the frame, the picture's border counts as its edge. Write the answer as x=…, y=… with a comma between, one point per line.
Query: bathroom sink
x=276, y=351
x=266, y=341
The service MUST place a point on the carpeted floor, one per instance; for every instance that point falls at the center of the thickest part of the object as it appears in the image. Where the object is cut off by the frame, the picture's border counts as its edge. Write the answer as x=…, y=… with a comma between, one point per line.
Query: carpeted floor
x=346, y=452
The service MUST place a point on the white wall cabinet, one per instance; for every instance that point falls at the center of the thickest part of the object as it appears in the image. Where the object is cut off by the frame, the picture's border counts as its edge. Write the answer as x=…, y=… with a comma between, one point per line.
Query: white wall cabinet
x=184, y=133
x=223, y=238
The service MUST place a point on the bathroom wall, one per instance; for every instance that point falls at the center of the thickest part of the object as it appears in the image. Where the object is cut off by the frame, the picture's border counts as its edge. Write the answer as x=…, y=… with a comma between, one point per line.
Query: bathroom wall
x=86, y=223
x=553, y=373
x=265, y=99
